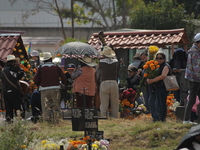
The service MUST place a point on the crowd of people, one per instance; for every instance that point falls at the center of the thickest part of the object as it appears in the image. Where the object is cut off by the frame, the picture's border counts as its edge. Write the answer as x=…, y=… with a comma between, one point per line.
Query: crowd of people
x=89, y=78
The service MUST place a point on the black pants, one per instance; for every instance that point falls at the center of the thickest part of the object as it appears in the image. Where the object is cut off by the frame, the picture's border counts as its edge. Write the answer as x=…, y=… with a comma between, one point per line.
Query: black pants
x=13, y=101
x=194, y=88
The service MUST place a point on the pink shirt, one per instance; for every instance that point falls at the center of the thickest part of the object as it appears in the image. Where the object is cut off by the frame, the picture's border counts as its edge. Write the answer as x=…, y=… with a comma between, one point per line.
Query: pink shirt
x=85, y=81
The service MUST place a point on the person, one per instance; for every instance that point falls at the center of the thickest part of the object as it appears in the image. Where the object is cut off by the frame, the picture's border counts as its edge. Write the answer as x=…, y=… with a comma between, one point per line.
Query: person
x=158, y=95
x=138, y=63
x=11, y=74
x=178, y=62
x=47, y=79
x=194, y=111
x=34, y=60
x=193, y=76
x=191, y=140
x=65, y=95
x=36, y=105
x=109, y=90
x=84, y=82
x=62, y=64
x=133, y=80
x=145, y=87
x=144, y=56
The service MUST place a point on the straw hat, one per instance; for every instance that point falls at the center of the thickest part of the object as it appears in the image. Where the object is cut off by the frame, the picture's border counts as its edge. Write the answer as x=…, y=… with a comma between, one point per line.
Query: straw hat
x=12, y=57
x=88, y=61
x=108, y=52
x=46, y=56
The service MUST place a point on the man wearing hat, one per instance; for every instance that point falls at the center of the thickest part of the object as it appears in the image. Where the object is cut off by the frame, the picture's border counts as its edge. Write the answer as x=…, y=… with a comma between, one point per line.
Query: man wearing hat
x=10, y=76
x=192, y=73
x=138, y=60
x=47, y=79
x=109, y=90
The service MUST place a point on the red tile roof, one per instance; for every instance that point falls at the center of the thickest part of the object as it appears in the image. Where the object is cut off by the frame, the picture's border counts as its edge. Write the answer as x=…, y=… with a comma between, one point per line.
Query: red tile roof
x=141, y=38
x=8, y=43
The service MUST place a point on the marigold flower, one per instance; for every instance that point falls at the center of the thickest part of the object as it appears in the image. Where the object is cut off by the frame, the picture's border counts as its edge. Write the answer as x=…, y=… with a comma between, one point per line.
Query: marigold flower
x=19, y=50
x=151, y=65
x=28, y=66
x=127, y=103
x=153, y=68
x=145, y=67
x=17, y=44
x=146, y=75
x=58, y=55
x=14, y=49
x=21, y=56
x=152, y=61
x=131, y=105
x=155, y=62
x=147, y=63
x=157, y=66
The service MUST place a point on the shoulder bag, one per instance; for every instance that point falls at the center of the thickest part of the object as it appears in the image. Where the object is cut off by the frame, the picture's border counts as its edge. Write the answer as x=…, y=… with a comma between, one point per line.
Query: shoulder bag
x=170, y=81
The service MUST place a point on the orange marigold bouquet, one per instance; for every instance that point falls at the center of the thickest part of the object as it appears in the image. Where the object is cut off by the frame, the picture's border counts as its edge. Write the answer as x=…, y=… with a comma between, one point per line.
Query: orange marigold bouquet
x=151, y=71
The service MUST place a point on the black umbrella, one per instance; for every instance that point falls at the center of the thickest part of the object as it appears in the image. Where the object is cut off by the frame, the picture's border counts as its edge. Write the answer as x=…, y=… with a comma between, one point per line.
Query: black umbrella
x=77, y=50
x=189, y=137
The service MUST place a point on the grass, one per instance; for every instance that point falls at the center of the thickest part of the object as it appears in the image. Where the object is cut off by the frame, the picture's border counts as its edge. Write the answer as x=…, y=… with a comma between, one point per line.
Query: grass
x=138, y=134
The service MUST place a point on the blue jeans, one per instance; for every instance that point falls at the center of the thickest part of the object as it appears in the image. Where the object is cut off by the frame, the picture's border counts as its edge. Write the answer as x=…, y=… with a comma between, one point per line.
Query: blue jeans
x=161, y=96
x=153, y=106
x=157, y=104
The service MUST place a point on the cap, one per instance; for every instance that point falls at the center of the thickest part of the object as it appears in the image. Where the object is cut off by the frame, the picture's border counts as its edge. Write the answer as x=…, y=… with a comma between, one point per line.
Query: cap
x=197, y=37
x=71, y=66
x=132, y=68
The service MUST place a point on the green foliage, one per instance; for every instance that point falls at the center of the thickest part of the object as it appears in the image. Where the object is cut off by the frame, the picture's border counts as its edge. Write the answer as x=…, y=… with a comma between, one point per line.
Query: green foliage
x=15, y=136
x=164, y=14
x=74, y=40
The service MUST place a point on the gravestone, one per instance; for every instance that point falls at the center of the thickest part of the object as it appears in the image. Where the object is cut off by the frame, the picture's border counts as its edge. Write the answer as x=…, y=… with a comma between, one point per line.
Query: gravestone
x=84, y=119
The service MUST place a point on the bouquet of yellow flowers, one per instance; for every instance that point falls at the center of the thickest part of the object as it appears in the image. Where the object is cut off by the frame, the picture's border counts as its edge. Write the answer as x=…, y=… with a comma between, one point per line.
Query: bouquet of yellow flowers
x=152, y=50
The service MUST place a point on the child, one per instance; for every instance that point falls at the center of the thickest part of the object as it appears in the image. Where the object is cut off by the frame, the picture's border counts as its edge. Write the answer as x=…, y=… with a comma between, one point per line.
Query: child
x=133, y=80
x=194, y=109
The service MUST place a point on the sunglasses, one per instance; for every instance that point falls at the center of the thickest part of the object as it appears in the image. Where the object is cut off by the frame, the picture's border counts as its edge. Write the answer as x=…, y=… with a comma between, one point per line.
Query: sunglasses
x=159, y=58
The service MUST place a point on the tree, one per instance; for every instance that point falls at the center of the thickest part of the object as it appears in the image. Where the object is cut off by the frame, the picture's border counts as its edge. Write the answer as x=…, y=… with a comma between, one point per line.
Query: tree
x=94, y=11
x=158, y=16
x=190, y=6
x=50, y=6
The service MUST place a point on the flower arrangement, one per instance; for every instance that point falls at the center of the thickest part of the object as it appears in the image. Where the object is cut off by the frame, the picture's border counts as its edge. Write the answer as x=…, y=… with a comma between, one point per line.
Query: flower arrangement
x=48, y=144
x=151, y=71
x=152, y=50
x=84, y=144
x=171, y=106
x=128, y=107
x=27, y=69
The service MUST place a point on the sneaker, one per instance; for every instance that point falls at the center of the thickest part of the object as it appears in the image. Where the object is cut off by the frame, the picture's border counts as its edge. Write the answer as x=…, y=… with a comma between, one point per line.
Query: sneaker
x=189, y=122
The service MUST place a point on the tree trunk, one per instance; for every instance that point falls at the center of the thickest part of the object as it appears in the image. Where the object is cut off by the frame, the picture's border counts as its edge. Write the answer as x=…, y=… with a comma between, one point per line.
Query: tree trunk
x=103, y=15
x=124, y=14
x=114, y=14
x=61, y=21
x=72, y=17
